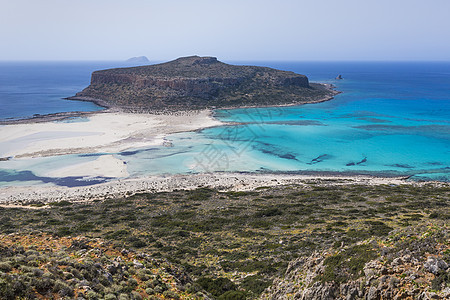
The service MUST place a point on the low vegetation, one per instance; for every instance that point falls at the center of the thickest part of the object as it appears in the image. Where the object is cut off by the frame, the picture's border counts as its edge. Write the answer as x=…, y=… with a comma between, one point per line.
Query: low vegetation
x=208, y=243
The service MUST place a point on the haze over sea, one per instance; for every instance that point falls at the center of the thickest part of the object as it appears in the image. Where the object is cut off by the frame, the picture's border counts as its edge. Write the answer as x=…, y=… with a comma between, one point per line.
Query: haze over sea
x=393, y=118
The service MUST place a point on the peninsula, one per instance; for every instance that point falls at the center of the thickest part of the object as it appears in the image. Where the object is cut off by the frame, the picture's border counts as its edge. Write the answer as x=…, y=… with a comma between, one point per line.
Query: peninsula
x=192, y=83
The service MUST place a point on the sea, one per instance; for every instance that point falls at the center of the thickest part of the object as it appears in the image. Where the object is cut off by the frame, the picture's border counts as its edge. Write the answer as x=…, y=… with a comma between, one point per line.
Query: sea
x=390, y=119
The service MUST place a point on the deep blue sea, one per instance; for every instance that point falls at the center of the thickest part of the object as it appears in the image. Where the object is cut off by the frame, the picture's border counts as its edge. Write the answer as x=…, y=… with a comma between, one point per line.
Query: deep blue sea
x=29, y=88
x=392, y=118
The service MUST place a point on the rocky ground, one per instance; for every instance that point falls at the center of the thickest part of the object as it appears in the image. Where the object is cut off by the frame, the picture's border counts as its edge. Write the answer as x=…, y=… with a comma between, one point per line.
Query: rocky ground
x=41, y=266
x=313, y=240
x=409, y=264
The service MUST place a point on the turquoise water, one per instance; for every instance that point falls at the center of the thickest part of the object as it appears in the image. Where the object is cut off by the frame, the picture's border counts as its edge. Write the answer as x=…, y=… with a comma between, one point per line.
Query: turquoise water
x=391, y=119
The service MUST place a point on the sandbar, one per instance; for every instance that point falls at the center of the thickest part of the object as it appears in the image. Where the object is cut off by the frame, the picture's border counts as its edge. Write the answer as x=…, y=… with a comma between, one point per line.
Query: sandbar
x=102, y=132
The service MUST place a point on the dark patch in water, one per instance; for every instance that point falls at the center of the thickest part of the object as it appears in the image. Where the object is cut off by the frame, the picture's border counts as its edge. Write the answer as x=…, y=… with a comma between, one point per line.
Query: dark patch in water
x=79, y=181
x=357, y=163
x=404, y=166
x=374, y=120
x=129, y=153
x=288, y=156
x=273, y=150
x=90, y=154
x=134, y=152
x=298, y=123
x=408, y=129
x=363, y=114
x=319, y=159
x=435, y=163
x=73, y=181
x=362, y=161
x=274, y=153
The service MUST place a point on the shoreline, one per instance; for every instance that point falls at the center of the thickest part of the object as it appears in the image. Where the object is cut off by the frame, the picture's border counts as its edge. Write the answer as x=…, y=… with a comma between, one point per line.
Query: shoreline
x=108, y=108
x=26, y=195
x=106, y=132
x=327, y=86
x=152, y=128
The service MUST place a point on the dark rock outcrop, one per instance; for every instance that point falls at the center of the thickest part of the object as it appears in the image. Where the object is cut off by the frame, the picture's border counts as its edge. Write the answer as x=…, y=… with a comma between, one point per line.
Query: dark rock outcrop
x=200, y=82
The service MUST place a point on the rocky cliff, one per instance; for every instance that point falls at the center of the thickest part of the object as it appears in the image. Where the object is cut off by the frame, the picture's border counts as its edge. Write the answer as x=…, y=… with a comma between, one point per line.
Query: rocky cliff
x=200, y=82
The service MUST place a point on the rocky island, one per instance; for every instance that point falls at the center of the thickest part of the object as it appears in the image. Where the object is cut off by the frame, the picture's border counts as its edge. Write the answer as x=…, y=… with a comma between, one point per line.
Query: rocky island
x=138, y=60
x=191, y=83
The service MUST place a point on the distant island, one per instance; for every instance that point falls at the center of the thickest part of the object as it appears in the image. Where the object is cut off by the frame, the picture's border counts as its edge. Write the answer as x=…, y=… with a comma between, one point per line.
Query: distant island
x=138, y=60
x=191, y=83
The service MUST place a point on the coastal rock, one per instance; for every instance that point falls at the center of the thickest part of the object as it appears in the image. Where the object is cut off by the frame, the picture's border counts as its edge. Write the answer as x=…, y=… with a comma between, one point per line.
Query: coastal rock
x=200, y=82
x=339, y=77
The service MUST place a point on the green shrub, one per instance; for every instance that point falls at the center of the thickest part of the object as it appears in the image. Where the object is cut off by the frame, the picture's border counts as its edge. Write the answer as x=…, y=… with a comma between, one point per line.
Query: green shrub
x=61, y=203
x=233, y=295
x=63, y=289
x=347, y=264
x=171, y=295
x=378, y=228
x=255, y=284
x=5, y=267
x=269, y=212
x=216, y=287
x=110, y=297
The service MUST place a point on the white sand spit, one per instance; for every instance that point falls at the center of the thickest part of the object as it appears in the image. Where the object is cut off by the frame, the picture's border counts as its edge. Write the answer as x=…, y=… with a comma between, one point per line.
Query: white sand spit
x=105, y=166
x=103, y=132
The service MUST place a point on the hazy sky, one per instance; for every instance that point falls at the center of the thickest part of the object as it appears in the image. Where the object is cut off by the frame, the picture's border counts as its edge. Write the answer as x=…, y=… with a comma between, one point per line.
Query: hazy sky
x=227, y=29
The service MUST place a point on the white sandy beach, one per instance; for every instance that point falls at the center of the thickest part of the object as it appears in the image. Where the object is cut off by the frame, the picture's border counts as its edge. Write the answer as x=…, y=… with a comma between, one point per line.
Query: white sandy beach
x=114, y=132
x=101, y=133
x=221, y=181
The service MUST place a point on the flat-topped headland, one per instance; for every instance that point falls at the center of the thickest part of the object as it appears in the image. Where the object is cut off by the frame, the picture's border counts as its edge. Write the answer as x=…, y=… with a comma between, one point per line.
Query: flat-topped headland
x=193, y=83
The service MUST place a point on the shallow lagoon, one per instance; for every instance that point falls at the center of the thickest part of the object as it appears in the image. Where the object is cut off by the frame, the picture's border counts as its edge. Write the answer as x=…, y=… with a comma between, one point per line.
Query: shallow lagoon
x=391, y=119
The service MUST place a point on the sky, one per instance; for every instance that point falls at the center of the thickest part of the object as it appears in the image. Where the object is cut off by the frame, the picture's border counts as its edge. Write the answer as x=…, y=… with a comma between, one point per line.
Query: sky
x=275, y=30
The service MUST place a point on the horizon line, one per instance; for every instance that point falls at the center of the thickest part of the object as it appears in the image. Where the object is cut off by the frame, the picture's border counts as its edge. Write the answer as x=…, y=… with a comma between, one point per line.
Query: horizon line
x=229, y=60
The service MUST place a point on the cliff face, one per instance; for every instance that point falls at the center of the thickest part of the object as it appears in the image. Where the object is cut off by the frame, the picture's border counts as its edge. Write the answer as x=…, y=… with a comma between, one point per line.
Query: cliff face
x=199, y=82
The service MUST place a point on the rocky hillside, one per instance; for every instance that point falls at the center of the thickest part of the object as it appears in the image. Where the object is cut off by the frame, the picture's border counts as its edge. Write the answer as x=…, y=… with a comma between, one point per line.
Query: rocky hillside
x=40, y=266
x=323, y=239
x=408, y=264
x=197, y=83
